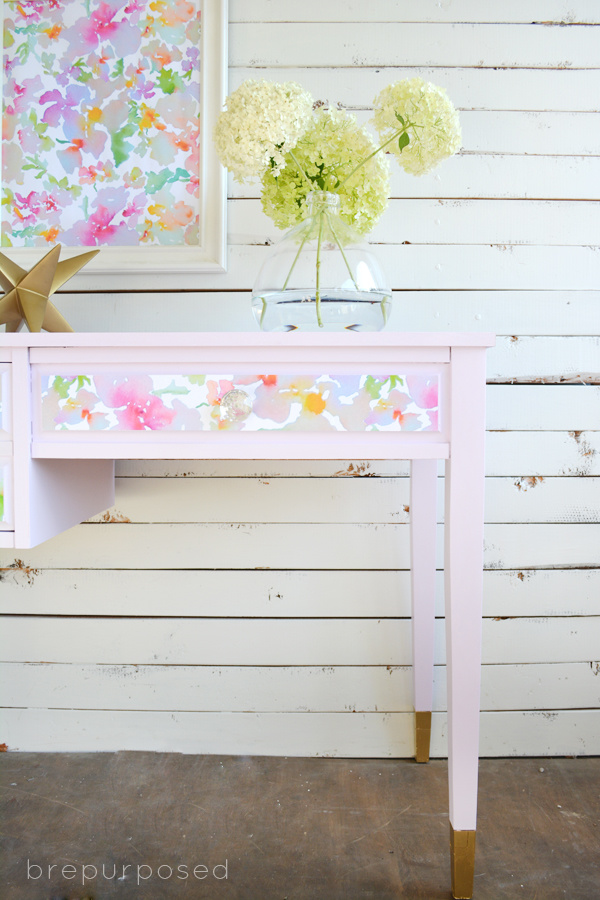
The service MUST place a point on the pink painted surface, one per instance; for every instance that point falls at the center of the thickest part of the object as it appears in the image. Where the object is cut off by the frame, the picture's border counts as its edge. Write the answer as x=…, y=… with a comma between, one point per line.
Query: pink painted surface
x=425, y=341
x=423, y=519
x=463, y=584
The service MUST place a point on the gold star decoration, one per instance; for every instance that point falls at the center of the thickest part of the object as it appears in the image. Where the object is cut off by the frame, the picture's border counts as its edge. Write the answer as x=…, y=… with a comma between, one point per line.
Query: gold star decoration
x=27, y=294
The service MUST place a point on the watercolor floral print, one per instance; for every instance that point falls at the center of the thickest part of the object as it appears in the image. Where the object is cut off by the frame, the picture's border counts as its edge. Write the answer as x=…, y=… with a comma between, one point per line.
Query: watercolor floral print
x=101, y=122
x=167, y=402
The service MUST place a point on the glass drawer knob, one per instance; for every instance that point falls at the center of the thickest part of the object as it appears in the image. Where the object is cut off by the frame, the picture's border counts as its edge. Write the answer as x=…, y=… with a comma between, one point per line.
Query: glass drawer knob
x=236, y=405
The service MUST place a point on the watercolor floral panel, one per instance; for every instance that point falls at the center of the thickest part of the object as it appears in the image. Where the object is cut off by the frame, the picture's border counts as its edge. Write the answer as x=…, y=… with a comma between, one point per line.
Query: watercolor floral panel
x=244, y=402
x=101, y=123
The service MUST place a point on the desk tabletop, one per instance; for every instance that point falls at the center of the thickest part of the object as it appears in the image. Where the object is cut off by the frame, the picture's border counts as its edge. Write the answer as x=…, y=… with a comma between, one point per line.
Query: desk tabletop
x=249, y=339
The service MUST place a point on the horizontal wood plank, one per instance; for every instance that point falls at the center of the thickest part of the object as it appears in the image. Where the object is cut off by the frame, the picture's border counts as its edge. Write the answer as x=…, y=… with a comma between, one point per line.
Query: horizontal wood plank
x=501, y=312
x=545, y=11
x=538, y=133
x=284, y=688
x=264, y=44
x=426, y=267
x=282, y=594
x=539, y=222
x=572, y=453
x=486, y=175
x=340, y=500
x=285, y=642
x=352, y=735
x=511, y=132
x=558, y=90
x=518, y=453
x=542, y=407
x=295, y=546
x=546, y=359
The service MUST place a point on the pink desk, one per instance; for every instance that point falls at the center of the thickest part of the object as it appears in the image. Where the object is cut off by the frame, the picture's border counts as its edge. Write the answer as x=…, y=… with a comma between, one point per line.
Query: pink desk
x=72, y=404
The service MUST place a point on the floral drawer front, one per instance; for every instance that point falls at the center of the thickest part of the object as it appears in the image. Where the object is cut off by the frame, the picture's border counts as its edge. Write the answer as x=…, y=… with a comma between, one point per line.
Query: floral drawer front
x=166, y=402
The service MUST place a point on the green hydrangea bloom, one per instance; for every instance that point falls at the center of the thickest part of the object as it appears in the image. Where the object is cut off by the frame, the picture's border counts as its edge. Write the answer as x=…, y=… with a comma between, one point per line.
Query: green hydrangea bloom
x=434, y=130
x=328, y=152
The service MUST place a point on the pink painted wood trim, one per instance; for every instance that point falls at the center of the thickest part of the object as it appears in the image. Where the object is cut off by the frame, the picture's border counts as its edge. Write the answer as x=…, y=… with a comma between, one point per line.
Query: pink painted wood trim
x=423, y=520
x=249, y=339
x=66, y=492
x=6, y=402
x=463, y=564
x=49, y=496
x=232, y=356
x=218, y=445
x=21, y=431
x=6, y=476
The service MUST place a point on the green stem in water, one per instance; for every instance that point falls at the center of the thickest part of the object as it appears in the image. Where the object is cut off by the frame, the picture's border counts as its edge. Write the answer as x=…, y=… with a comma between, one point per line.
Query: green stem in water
x=263, y=312
x=384, y=310
x=341, y=249
x=318, y=274
x=289, y=274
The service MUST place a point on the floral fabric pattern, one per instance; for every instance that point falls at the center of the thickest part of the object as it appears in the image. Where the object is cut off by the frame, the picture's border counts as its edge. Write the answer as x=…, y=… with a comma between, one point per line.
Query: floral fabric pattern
x=167, y=402
x=101, y=122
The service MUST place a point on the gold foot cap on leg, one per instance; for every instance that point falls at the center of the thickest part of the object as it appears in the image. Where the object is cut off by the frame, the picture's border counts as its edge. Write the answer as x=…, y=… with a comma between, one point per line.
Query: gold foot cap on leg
x=422, y=736
x=462, y=857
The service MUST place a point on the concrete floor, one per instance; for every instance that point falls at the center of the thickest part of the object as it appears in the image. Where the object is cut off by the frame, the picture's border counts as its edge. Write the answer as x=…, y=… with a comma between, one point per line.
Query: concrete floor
x=160, y=826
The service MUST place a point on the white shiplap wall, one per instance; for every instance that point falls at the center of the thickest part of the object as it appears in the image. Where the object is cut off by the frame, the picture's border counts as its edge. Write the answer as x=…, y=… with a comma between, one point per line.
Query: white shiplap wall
x=278, y=625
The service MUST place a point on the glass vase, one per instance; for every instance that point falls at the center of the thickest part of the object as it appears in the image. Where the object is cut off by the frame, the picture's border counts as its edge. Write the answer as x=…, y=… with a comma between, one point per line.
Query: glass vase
x=321, y=276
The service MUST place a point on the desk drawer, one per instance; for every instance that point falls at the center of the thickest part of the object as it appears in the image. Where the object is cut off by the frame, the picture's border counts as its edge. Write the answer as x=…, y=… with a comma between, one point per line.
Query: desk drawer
x=134, y=400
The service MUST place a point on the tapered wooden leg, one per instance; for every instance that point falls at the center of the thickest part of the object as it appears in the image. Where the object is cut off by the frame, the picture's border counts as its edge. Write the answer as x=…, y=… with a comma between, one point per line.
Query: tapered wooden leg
x=462, y=858
x=463, y=565
x=423, y=518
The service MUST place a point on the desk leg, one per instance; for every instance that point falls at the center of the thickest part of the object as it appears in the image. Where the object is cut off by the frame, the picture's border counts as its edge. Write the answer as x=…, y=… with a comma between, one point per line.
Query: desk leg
x=423, y=515
x=463, y=565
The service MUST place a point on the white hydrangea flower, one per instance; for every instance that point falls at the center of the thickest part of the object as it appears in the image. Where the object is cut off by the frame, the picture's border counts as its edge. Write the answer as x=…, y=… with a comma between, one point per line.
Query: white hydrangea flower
x=433, y=126
x=262, y=121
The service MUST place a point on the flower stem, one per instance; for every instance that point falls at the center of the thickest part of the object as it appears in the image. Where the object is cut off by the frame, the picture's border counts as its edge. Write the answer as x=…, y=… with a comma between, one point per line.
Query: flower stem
x=341, y=249
x=289, y=274
x=263, y=312
x=384, y=310
x=318, y=273
x=300, y=169
x=395, y=135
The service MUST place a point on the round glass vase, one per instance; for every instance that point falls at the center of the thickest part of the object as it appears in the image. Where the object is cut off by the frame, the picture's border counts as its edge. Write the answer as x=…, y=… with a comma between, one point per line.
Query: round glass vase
x=321, y=276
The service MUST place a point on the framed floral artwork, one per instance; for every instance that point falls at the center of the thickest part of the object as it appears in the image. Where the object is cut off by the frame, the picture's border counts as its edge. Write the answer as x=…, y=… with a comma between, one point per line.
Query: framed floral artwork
x=108, y=110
